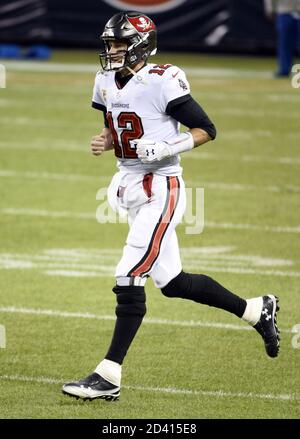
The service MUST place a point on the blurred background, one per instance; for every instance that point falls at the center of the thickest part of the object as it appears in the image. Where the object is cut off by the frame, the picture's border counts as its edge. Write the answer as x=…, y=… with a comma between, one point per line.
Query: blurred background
x=187, y=25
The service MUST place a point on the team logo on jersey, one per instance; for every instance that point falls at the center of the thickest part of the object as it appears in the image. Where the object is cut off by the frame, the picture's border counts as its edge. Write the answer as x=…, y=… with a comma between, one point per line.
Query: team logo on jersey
x=145, y=5
x=142, y=24
x=182, y=84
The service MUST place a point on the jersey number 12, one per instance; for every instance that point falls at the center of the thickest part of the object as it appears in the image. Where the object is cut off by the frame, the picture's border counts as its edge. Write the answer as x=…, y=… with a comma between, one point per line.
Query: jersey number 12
x=132, y=128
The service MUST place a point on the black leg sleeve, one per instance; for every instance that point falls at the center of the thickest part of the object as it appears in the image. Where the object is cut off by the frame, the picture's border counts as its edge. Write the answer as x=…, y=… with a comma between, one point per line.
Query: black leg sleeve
x=130, y=311
x=204, y=289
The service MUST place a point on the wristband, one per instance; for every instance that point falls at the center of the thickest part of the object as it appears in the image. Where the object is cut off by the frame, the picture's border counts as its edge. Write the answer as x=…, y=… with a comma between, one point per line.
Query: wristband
x=184, y=142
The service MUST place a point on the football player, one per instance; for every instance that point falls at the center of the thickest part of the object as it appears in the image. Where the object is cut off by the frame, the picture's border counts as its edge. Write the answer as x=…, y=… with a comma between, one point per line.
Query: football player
x=144, y=105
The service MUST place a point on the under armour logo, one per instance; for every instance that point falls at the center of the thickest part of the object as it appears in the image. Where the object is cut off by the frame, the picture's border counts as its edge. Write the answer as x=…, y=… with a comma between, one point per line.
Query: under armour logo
x=148, y=152
x=265, y=313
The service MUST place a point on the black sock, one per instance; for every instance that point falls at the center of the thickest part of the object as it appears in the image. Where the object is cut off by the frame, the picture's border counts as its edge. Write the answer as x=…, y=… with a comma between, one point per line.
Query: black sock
x=204, y=289
x=130, y=311
x=124, y=332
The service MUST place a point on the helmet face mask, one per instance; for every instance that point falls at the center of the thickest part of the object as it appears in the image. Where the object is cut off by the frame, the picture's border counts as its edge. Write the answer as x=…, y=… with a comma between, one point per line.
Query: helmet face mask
x=136, y=30
x=112, y=61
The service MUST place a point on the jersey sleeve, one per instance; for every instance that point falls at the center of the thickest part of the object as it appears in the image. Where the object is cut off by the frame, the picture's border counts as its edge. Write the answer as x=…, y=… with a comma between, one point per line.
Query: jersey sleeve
x=98, y=101
x=192, y=115
x=174, y=86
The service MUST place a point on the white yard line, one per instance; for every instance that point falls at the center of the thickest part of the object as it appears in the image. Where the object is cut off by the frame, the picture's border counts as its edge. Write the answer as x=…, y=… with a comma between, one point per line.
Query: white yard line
x=99, y=263
x=200, y=155
x=151, y=321
x=92, y=216
x=68, y=269
x=244, y=187
x=212, y=269
x=6, y=173
x=285, y=397
x=29, y=121
x=51, y=176
x=33, y=66
x=238, y=186
x=197, y=155
x=91, y=260
x=245, y=226
x=246, y=97
x=256, y=114
x=50, y=67
x=48, y=213
x=202, y=267
x=46, y=145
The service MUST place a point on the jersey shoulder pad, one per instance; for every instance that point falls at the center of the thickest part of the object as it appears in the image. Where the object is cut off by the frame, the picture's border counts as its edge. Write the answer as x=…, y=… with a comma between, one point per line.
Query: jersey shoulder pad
x=105, y=80
x=99, y=78
x=165, y=71
x=102, y=76
x=158, y=70
x=172, y=77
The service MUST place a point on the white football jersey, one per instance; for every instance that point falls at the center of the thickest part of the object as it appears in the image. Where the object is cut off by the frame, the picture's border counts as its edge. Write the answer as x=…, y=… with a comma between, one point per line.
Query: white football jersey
x=138, y=110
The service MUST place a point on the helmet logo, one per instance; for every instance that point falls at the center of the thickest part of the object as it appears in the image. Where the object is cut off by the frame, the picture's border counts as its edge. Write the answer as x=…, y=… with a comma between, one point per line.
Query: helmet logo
x=142, y=23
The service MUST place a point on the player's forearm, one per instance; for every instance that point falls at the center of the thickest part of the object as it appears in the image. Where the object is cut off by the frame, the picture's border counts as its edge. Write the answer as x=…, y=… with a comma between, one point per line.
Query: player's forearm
x=200, y=136
x=150, y=150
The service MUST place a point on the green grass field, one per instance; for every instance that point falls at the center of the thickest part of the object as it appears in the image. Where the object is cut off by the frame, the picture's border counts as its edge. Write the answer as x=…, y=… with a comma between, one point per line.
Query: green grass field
x=57, y=262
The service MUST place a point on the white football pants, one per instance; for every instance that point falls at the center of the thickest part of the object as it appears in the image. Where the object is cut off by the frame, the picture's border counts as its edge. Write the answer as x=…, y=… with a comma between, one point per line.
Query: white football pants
x=155, y=204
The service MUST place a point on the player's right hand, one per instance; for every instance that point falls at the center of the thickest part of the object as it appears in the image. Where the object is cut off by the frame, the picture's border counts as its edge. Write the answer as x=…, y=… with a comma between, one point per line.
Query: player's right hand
x=100, y=143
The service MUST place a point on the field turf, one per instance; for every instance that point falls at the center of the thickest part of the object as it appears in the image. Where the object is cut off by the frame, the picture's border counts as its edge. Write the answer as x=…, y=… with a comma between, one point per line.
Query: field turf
x=57, y=262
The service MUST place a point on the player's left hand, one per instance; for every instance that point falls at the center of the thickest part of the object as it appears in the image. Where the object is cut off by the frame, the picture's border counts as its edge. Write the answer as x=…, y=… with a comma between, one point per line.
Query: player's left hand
x=150, y=151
